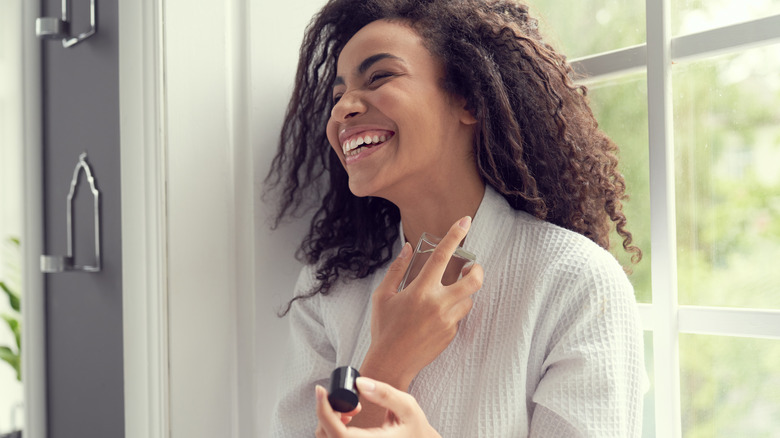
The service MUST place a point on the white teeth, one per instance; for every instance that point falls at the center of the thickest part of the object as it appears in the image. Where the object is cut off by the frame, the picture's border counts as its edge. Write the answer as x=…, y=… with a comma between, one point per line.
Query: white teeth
x=349, y=146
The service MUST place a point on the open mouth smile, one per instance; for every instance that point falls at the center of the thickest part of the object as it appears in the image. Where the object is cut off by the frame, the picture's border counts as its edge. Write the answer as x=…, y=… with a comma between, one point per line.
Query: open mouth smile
x=356, y=144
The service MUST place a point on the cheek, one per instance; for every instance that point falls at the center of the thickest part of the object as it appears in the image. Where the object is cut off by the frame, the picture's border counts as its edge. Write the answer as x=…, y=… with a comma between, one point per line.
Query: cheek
x=387, y=103
x=333, y=138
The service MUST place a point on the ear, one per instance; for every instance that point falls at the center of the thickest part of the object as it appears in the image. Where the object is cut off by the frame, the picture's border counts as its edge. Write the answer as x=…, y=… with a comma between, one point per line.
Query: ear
x=466, y=117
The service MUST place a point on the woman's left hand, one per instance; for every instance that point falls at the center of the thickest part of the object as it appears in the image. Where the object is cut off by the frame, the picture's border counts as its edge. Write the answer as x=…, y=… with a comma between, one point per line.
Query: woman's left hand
x=404, y=416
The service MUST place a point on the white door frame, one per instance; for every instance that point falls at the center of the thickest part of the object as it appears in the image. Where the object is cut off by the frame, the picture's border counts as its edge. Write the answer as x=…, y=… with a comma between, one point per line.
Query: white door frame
x=174, y=387
x=144, y=313
x=144, y=267
x=187, y=219
x=34, y=307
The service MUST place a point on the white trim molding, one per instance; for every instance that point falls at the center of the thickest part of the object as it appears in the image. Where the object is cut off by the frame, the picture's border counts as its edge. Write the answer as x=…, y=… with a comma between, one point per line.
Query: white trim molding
x=144, y=224
x=187, y=220
x=210, y=219
x=238, y=61
x=34, y=308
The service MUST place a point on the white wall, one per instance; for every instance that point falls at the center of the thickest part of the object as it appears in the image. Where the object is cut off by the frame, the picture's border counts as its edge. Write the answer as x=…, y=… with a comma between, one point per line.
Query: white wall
x=212, y=348
x=276, y=34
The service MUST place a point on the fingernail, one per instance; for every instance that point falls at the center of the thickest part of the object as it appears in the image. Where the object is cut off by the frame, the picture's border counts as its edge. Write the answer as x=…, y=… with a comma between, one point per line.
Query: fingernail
x=465, y=222
x=365, y=385
x=405, y=251
x=319, y=391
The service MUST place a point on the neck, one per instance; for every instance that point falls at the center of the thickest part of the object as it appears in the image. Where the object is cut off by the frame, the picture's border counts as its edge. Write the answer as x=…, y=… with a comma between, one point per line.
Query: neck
x=434, y=212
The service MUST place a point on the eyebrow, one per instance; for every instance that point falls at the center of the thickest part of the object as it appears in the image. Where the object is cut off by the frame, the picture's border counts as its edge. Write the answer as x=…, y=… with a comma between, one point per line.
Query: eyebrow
x=366, y=64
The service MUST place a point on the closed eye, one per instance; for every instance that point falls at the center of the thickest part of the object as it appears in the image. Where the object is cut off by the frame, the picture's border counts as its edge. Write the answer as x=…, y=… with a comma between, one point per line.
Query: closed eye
x=372, y=81
x=379, y=76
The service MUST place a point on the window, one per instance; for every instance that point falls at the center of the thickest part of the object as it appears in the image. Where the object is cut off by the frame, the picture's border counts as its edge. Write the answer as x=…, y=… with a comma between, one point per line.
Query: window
x=690, y=91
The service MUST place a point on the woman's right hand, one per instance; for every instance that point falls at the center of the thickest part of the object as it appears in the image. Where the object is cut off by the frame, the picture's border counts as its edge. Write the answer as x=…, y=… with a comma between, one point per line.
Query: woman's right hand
x=402, y=415
x=409, y=329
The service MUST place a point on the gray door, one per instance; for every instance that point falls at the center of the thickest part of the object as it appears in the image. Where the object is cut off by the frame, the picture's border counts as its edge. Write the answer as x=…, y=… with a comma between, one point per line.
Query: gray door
x=83, y=310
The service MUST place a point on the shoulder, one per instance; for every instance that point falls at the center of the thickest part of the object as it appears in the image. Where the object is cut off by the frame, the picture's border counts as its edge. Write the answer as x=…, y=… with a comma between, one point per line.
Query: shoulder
x=513, y=242
x=311, y=276
x=565, y=250
x=584, y=286
x=567, y=268
x=346, y=295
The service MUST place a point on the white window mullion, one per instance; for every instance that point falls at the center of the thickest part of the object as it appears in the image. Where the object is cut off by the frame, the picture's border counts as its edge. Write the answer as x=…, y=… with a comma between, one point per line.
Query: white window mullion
x=708, y=43
x=726, y=39
x=662, y=220
x=615, y=63
x=723, y=321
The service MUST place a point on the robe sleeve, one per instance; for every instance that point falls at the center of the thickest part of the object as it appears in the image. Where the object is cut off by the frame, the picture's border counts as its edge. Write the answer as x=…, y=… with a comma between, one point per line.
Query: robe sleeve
x=310, y=360
x=594, y=376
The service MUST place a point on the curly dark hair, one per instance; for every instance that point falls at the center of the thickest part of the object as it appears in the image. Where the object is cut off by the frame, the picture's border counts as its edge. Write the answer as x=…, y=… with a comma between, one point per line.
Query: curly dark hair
x=536, y=139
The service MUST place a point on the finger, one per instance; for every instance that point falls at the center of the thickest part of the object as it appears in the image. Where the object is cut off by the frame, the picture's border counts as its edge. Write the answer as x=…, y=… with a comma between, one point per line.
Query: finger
x=346, y=417
x=390, y=417
x=459, y=310
x=401, y=404
x=329, y=420
x=468, y=284
x=440, y=258
x=466, y=269
x=395, y=273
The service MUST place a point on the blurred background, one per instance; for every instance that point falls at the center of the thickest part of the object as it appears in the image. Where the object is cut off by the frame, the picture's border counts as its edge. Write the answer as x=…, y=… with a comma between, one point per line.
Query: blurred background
x=725, y=150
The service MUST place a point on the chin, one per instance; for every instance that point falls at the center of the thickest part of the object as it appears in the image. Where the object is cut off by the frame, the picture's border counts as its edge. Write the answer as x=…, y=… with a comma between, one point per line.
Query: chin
x=363, y=188
x=359, y=190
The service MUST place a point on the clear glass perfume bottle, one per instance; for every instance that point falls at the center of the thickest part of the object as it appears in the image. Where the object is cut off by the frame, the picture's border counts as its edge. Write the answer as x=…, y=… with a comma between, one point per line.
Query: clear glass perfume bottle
x=428, y=242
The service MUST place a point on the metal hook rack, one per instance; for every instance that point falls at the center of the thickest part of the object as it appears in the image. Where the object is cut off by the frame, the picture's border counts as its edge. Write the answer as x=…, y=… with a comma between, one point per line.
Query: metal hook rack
x=59, y=28
x=52, y=264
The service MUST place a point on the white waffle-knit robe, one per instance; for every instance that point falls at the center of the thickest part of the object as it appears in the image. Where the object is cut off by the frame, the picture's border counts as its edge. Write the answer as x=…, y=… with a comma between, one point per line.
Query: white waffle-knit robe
x=551, y=348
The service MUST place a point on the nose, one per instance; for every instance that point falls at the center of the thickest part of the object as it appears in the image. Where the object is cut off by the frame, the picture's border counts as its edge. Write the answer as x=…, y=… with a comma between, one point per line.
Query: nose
x=350, y=105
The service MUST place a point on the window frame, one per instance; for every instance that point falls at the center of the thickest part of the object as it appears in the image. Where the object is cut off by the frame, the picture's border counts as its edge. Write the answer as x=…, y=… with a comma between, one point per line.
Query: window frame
x=665, y=318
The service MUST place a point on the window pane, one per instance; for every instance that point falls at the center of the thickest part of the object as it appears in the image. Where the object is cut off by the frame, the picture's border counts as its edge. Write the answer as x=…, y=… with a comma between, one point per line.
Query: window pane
x=727, y=150
x=691, y=16
x=729, y=386
x=587, y=27
x=620, y=106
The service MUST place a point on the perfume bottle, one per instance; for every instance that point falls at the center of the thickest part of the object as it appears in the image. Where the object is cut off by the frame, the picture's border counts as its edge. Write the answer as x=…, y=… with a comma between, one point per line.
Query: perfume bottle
x=428, y=242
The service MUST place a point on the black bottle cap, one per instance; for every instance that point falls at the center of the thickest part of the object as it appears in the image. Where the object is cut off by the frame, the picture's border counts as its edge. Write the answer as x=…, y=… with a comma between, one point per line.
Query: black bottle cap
x=343, y=393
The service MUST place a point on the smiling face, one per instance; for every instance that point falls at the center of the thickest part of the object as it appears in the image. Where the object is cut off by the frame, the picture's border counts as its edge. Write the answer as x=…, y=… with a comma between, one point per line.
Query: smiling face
x=396, y=131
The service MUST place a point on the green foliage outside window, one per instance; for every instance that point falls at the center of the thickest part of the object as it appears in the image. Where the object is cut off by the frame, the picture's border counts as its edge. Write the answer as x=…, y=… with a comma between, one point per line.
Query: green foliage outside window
x=727, y=142
x=727, y=195
x=13, y=354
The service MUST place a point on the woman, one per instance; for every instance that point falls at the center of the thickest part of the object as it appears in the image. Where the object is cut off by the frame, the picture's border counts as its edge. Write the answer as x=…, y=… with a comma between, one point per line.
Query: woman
x=417, y=116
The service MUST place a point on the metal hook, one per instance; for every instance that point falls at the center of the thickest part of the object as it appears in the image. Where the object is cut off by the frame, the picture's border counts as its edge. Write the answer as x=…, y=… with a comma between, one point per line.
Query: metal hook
x=59, y=28
x=51, y=264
